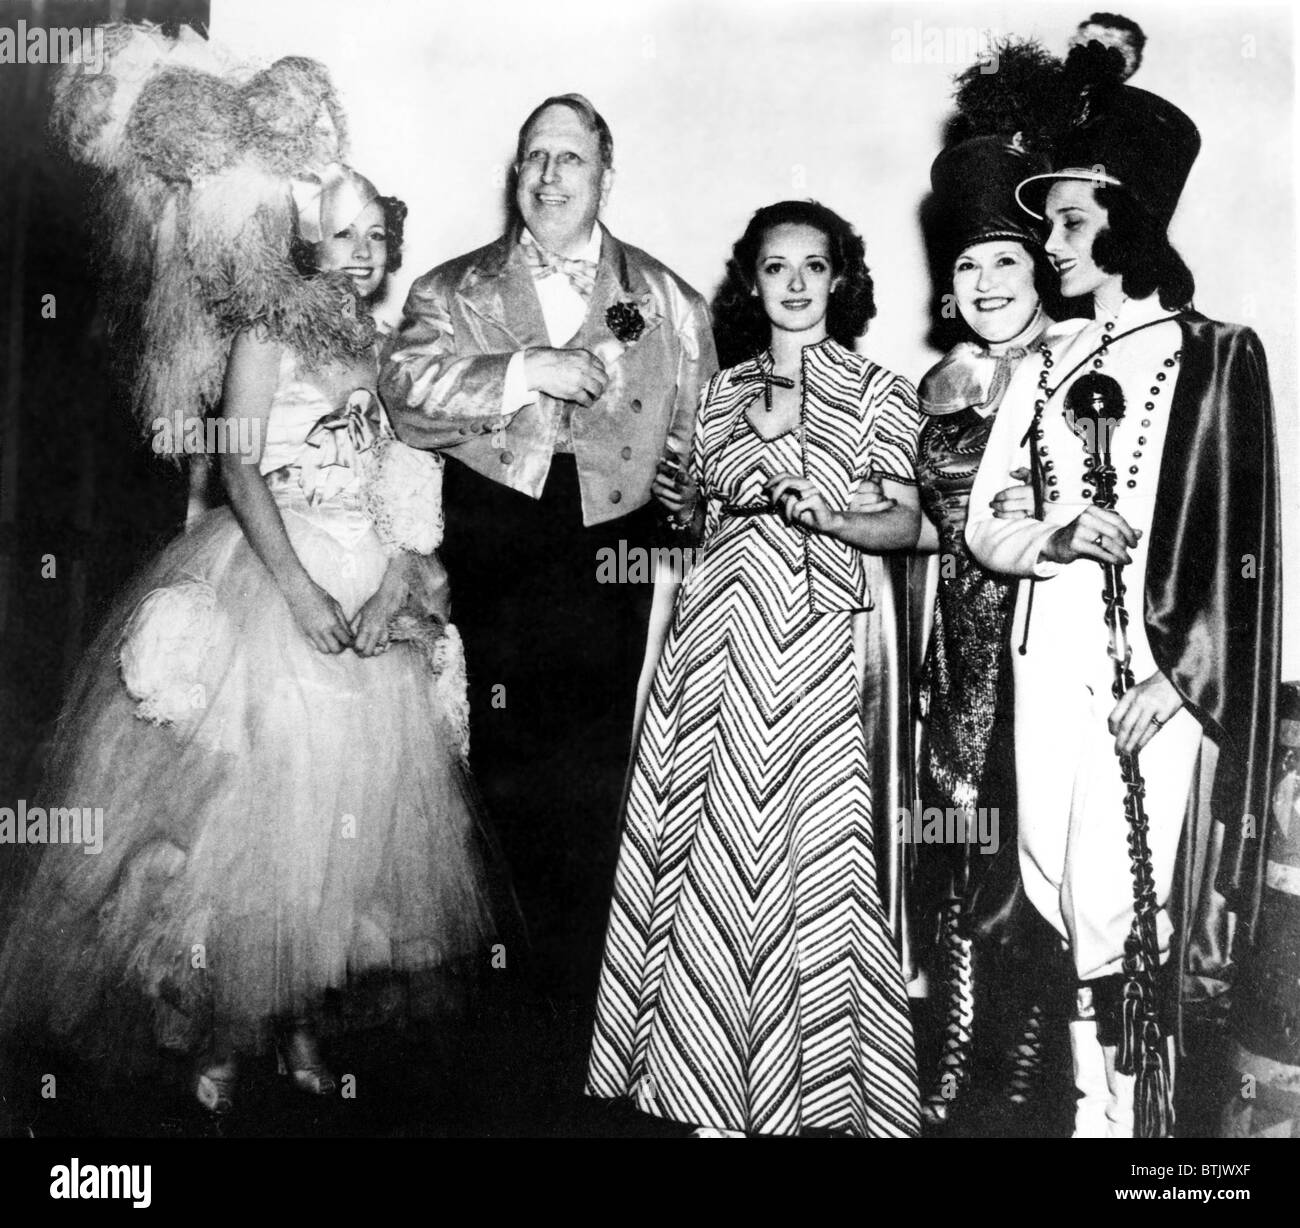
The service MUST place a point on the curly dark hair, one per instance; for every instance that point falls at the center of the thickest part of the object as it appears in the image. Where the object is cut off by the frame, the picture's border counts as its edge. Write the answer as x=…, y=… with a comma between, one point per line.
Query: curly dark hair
x=740, y=325
x=303, y=254
x=1134, y=244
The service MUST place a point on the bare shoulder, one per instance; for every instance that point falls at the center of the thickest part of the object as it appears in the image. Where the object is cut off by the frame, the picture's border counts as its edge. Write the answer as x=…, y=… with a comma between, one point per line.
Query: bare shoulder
x=255, y=357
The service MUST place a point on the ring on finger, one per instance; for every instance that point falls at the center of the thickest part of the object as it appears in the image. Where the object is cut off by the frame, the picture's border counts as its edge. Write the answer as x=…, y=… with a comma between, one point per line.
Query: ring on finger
x=1096, y=541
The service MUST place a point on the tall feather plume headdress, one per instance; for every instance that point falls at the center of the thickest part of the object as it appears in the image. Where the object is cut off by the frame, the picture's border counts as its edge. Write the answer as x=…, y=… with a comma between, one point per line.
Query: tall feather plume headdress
x=1009, y=125
x=1017, y=101
x=194, y=155
x=1032, y=98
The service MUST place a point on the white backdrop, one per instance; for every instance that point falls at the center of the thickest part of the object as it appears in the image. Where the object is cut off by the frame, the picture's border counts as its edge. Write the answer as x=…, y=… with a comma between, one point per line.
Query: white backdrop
x=719, y=106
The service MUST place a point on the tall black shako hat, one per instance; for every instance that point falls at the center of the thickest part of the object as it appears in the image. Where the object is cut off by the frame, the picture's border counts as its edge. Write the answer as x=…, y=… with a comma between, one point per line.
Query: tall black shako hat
x=1126, y=137
x=974, y=185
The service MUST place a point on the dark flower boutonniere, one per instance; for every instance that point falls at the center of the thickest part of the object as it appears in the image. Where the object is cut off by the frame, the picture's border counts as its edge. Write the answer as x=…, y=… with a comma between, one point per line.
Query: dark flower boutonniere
x=625, y=321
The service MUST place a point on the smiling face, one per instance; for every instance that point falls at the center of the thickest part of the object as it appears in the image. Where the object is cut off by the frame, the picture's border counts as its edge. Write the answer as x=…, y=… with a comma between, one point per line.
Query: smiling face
x=360, y=251
x=794, y=279
x=993, y=283
x=562, y=183
x=1076, y=219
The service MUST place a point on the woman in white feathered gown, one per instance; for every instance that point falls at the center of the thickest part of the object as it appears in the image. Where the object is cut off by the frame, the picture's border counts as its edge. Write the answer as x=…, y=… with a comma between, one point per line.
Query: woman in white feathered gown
x=273, y=721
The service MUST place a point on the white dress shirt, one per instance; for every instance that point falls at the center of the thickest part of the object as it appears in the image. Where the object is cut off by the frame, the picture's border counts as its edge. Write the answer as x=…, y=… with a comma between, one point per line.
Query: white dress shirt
x=564, y=311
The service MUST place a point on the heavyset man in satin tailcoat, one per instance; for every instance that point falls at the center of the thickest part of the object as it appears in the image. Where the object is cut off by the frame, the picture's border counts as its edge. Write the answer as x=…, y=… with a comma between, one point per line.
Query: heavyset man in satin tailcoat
x=553, y=368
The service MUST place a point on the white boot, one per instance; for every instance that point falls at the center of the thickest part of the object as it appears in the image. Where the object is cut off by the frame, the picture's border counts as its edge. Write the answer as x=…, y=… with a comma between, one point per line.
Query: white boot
x=1119, y=1101
x=1090, y=1078
x=1119, y=1106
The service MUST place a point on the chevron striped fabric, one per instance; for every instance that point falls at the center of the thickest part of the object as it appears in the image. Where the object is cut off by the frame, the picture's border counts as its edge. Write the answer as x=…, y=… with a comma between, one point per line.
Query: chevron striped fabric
x=750, y=981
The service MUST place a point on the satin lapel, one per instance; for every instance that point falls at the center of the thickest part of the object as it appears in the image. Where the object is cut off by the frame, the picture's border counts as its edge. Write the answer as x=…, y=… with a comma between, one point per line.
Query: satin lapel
x=595, y=331
x=618, y=280
x=501, y=293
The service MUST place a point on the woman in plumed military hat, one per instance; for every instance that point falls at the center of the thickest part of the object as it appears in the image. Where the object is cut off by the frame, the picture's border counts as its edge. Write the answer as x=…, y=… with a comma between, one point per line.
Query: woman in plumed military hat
x=991, y=272
x=993, y=260
x=1148, y=429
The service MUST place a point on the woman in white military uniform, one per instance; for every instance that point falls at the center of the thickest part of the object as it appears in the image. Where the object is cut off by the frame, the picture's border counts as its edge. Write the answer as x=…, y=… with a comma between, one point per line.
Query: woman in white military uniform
x=1120, y=173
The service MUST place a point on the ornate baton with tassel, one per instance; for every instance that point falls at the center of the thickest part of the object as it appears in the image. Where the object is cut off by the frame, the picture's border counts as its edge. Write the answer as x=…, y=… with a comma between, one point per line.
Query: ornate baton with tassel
x=1094, y=407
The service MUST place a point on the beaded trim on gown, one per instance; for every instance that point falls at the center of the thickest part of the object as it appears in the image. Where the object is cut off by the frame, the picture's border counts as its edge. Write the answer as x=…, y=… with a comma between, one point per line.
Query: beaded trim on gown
x=275, y=819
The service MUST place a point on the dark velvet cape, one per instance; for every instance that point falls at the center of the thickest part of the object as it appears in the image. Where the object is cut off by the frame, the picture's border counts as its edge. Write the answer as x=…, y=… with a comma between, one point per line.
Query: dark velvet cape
x=1213, y=606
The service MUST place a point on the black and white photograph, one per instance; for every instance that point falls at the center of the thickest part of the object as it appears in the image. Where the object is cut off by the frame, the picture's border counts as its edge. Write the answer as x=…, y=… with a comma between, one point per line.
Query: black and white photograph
x=719, y=569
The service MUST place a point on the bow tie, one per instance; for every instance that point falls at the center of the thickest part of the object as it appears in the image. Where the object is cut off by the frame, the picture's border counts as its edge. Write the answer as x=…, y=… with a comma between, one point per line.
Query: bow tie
x=581, y=273
x=767, y=379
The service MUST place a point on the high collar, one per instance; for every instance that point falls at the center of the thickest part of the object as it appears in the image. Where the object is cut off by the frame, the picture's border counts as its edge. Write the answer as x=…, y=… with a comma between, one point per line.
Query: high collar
x=1132, y=313
x=761, y=365
x=814, y=348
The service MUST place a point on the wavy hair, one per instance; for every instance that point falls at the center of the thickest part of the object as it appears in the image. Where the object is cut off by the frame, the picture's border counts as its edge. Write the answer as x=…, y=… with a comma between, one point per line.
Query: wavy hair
x=740, y=325
x=303, y=254
x=1134, y=244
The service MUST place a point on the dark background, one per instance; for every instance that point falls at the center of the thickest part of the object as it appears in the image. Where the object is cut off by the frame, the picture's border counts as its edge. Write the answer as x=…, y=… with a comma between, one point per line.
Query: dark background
x=79, y=488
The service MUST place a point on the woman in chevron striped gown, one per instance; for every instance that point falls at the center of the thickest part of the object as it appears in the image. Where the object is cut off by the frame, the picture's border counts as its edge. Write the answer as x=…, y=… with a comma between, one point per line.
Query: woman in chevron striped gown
x=750, y=983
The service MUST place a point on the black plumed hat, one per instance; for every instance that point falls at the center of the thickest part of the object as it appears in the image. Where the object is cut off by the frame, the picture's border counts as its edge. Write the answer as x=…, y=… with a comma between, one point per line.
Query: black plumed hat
x=974, y=184
x=1126, y=137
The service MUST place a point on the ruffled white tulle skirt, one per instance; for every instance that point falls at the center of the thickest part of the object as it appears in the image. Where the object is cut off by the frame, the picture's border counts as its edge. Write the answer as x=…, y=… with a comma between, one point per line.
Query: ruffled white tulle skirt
x=276, y=820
